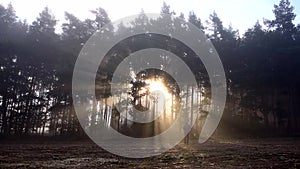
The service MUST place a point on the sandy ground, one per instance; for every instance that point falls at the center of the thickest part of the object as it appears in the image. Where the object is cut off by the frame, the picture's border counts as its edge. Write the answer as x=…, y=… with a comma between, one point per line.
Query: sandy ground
x=255, y=153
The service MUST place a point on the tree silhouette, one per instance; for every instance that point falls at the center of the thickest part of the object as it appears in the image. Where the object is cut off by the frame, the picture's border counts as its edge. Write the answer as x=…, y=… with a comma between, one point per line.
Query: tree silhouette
x=37, y=62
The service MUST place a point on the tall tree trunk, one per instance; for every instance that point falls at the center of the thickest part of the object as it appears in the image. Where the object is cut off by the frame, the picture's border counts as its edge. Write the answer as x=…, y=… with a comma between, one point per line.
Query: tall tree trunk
x=291, y=116
x=105, y=108
x=192, y=105
x=29, y=102
x=187, y=100
x=27, y=117
x=64, y=118
x=4, y=128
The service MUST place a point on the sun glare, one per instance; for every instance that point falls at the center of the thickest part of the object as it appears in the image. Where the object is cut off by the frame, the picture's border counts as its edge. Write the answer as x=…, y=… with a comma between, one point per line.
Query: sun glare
x=156, y=85
x=154, y=95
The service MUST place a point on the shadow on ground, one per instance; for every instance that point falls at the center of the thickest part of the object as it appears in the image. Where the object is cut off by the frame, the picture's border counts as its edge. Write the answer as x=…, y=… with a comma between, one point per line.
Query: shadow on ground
x=256, y=153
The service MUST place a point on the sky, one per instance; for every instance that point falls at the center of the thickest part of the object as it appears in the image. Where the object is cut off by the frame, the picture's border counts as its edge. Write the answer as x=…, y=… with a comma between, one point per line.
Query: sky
x=241, y=14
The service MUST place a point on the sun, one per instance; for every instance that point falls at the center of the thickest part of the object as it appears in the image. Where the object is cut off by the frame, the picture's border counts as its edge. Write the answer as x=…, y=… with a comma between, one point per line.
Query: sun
x=157, y=85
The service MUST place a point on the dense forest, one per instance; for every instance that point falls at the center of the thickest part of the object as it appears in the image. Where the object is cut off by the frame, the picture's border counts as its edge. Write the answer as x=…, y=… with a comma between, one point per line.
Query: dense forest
x=262, y=67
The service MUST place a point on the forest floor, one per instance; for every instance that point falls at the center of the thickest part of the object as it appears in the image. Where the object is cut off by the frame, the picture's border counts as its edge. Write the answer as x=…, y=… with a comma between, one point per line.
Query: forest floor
x=250, y=153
